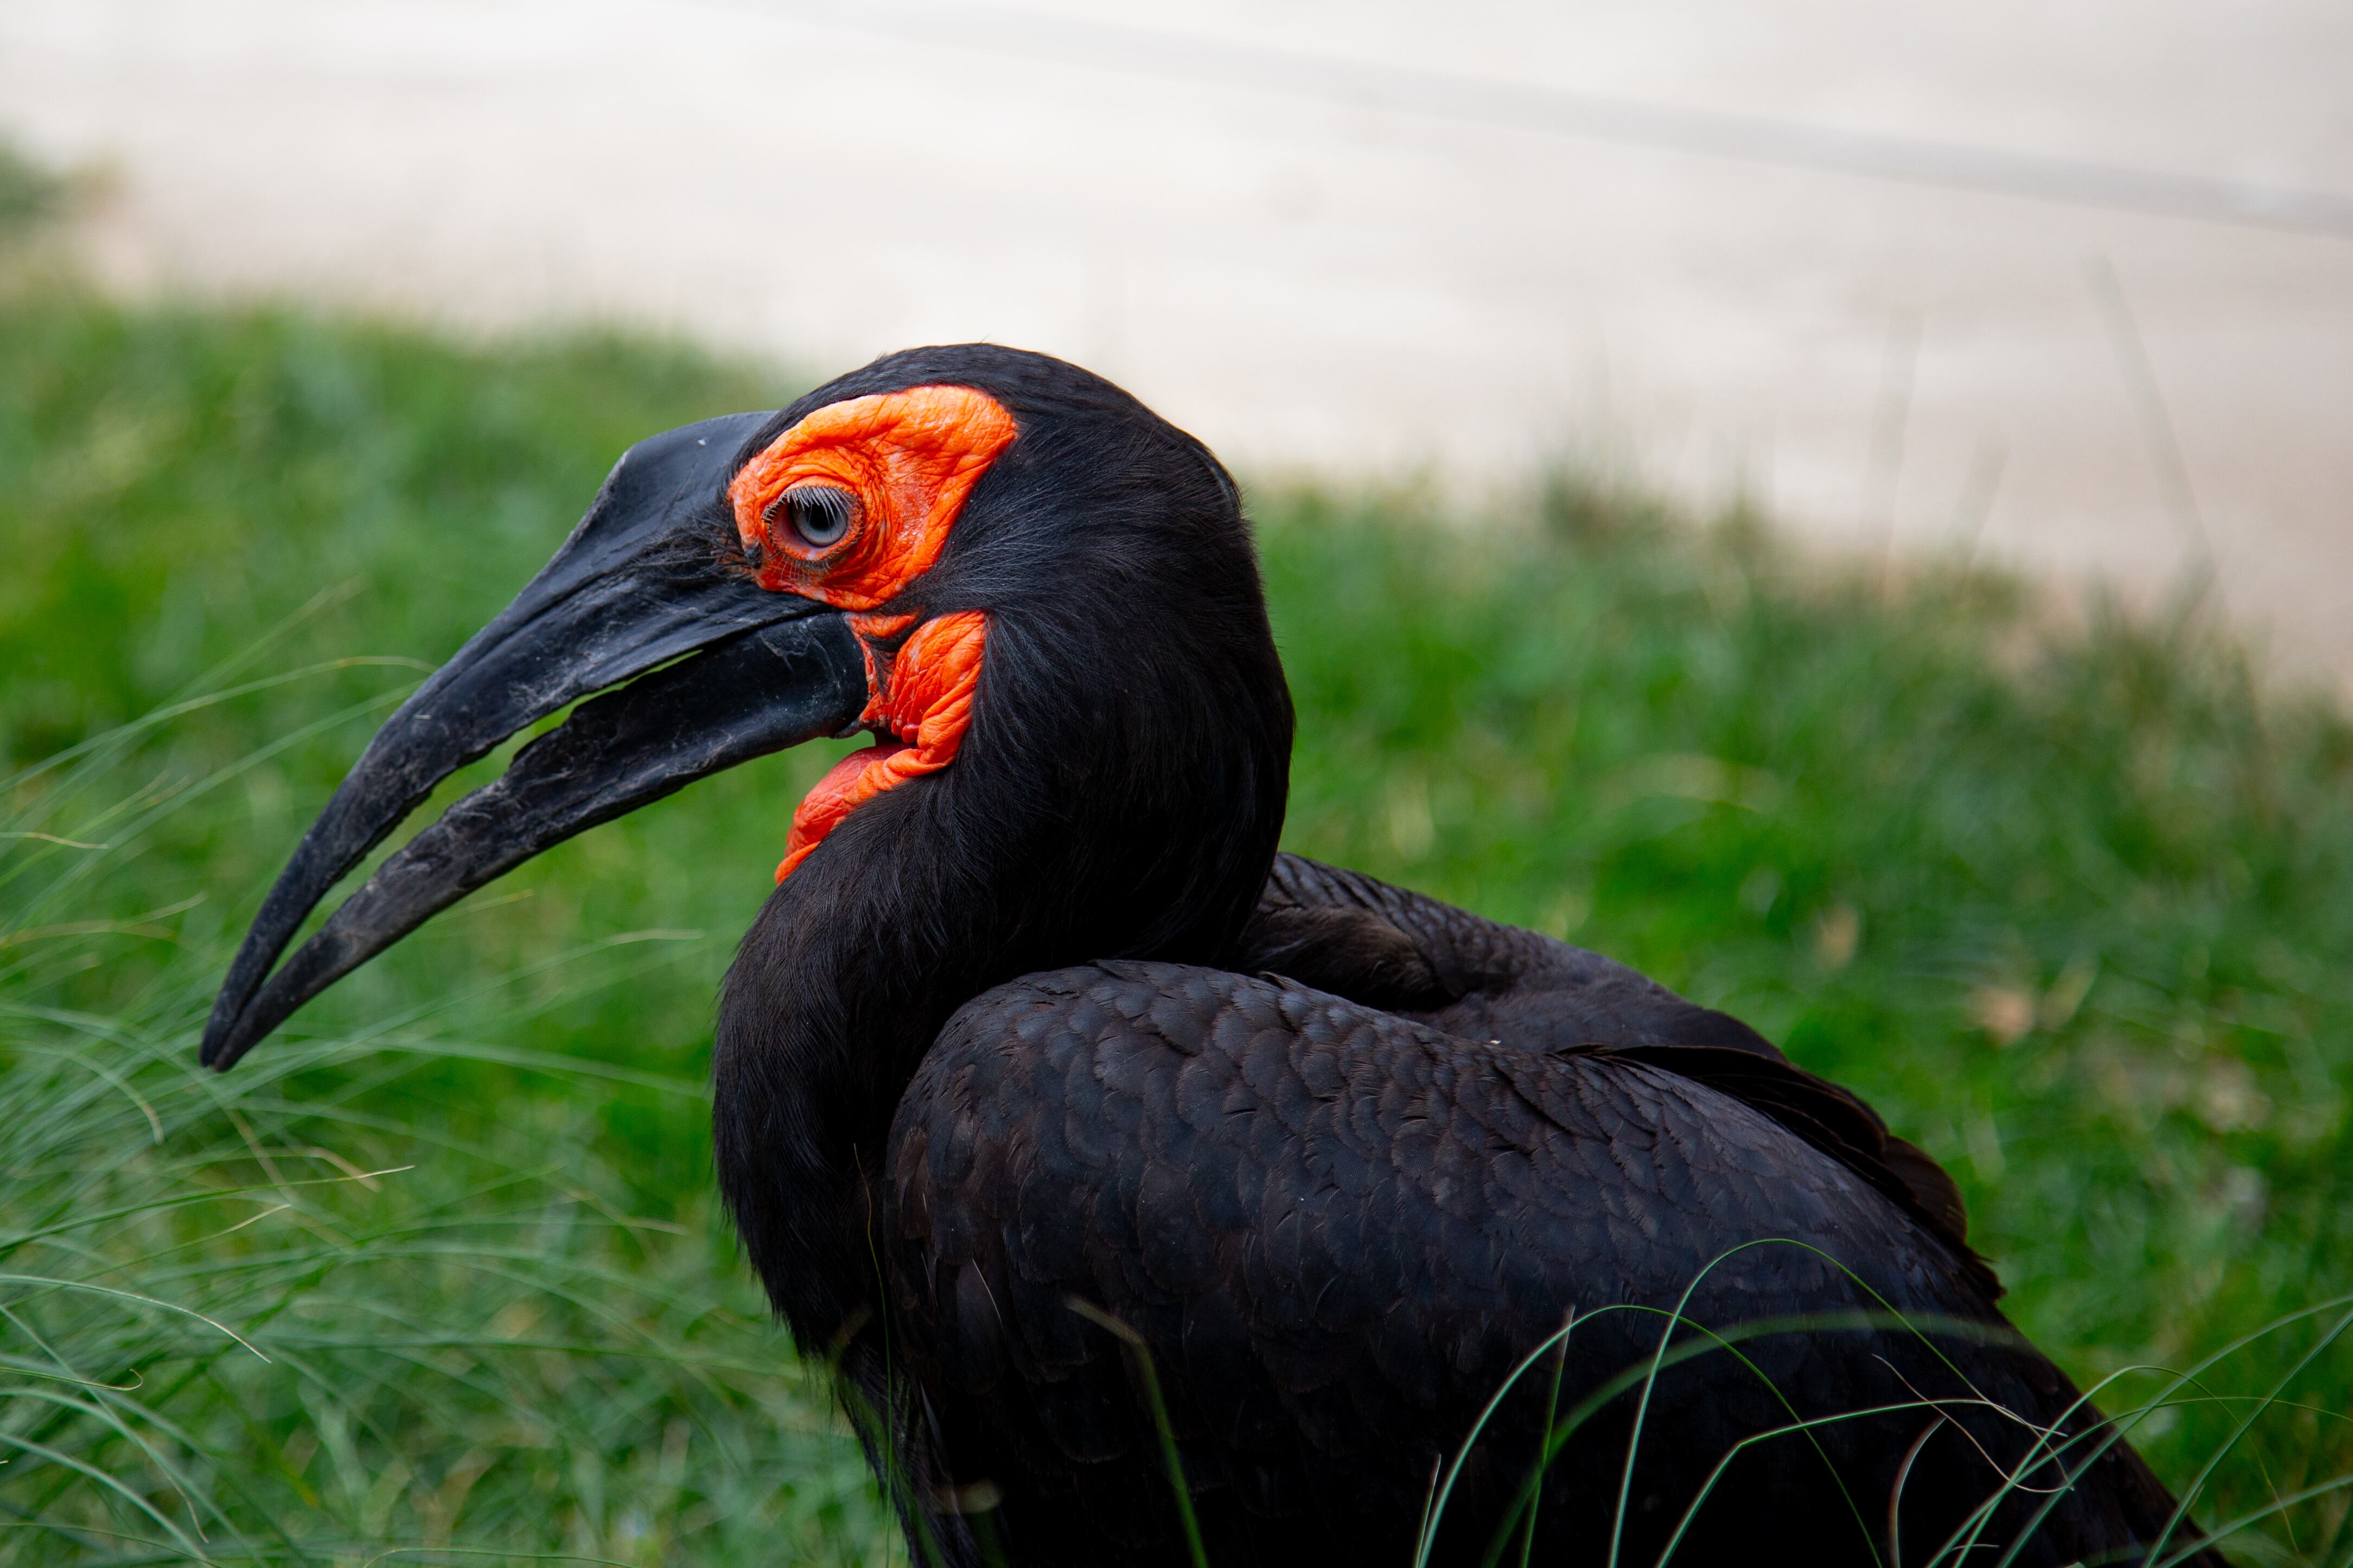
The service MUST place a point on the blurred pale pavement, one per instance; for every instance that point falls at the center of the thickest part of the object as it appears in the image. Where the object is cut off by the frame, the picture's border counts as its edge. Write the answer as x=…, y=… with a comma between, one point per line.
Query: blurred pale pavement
x=1272, y=224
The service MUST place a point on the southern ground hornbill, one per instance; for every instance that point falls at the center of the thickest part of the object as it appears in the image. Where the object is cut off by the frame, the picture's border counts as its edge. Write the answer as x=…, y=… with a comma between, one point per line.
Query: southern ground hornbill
x=1043, y=1080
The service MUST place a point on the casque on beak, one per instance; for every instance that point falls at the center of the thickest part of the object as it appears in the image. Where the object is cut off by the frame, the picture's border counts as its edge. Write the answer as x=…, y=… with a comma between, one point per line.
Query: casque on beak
x=654, y=572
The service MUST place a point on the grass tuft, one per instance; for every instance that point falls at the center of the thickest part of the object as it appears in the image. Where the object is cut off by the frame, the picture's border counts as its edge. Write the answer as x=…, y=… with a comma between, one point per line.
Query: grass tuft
x=318, y=1310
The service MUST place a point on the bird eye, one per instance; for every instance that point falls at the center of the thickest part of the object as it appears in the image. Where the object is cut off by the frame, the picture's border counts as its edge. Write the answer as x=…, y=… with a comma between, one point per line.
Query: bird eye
x=819, y=514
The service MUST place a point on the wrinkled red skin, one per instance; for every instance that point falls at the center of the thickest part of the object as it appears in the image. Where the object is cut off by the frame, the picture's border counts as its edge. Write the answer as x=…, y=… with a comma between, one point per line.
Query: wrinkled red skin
x=911, y=460
x=926, y=702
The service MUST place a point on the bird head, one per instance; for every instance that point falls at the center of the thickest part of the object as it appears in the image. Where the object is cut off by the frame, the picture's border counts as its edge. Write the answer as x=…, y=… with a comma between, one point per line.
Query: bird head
x=1039, y=598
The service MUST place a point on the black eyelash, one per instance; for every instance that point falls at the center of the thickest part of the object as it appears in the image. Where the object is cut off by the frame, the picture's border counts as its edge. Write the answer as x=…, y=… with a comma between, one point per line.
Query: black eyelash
x=819, y=515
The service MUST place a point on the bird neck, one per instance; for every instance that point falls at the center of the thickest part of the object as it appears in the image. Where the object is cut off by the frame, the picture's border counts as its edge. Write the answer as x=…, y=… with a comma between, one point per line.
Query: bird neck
x=1140, y=823
x=838, y=988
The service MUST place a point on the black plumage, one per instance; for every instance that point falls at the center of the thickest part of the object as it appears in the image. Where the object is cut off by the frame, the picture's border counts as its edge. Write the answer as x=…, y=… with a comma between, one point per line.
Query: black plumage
x=1338, y=1231
x=1043, y=1083
x=1339, y=1155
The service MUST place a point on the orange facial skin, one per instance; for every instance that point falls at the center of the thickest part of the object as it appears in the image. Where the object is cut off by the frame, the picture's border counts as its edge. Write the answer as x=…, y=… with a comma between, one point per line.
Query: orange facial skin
x=909, y=459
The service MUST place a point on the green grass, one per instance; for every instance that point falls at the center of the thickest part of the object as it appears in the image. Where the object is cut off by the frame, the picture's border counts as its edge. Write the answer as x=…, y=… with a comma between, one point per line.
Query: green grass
x=2072, y=907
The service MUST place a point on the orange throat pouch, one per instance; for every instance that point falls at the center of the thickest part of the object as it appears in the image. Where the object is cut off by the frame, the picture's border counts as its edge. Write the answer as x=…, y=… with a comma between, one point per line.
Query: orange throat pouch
x=920, y=702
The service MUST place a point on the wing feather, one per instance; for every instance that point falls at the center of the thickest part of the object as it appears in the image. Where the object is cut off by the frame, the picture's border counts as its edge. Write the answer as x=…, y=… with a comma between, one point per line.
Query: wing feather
x=1334, y=1232
x=1390, y=948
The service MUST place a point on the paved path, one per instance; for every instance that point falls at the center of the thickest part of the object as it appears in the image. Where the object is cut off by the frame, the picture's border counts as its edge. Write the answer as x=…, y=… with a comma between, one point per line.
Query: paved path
x=1347, y=239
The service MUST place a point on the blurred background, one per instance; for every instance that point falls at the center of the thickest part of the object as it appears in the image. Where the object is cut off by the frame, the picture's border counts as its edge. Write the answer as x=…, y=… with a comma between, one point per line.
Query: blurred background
x=1843, y=507
x=2070, y=287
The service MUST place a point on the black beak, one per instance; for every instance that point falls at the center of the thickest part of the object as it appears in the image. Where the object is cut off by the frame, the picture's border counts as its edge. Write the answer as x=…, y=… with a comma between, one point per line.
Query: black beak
x=652, y=573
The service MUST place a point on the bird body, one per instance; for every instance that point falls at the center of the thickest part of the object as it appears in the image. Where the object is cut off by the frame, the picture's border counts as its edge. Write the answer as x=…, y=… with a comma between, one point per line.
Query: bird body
x=1336, y=1228
x=1139, y=1183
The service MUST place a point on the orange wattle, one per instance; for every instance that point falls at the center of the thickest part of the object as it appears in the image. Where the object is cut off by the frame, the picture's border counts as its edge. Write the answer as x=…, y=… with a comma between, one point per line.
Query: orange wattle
x=925, y=706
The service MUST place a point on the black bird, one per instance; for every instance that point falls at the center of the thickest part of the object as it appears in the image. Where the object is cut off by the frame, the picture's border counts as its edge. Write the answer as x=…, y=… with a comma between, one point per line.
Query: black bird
x=1047, y=1090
